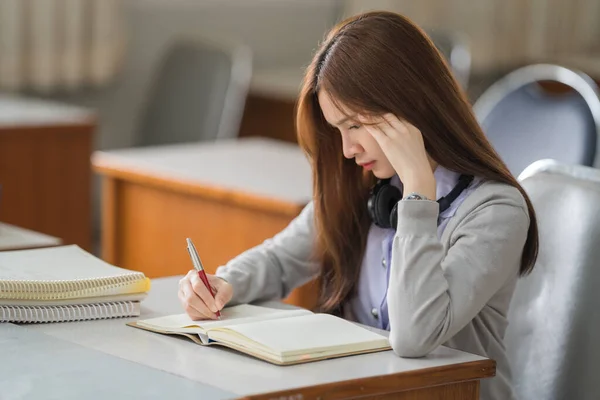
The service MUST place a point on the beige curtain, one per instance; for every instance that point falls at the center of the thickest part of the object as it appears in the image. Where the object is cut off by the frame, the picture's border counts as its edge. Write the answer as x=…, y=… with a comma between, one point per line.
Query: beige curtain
x=503, y=33
x=59, y=45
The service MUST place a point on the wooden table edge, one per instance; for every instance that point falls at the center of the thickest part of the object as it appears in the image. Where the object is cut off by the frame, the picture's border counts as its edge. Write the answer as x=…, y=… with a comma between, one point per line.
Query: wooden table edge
x=206, y=190
x=75, y=124
x=389, y=384
x=32, y=246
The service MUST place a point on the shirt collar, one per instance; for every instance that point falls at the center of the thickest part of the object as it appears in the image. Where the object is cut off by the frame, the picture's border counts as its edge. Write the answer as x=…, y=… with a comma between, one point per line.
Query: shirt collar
x=445, y=180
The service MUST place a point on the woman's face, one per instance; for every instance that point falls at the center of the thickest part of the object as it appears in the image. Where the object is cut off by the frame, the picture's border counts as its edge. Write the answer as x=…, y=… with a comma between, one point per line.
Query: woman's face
x=357, y=143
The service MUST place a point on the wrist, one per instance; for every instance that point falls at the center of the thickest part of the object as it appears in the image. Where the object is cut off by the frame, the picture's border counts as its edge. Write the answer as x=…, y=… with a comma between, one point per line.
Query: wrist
x=423, y=184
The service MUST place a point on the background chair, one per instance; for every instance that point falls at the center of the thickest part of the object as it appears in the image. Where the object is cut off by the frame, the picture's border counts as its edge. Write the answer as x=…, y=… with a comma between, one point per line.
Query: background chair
x=553, y=334
x=199, y=93
x=455, y=49
x=526, y=123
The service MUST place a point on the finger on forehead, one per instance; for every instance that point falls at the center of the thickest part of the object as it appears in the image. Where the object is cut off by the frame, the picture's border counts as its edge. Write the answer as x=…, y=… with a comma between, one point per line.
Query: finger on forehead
x=367, y=119
x=395, y=122
x=385, y=127
x=374, y=129
x=388, y=118
x=380, y=137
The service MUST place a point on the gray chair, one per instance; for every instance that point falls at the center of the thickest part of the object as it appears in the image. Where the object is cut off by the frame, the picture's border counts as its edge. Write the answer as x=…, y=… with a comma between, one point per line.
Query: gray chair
x=526, y=123
x=198, y=93
x=454, y=47
x=553, y=336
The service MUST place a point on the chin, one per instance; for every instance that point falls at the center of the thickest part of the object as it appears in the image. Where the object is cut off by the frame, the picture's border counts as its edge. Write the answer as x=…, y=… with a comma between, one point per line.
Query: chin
x=383, y=174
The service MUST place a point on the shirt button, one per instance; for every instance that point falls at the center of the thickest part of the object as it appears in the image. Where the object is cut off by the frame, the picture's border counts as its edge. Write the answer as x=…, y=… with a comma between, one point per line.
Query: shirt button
x=375, y=313
x=383, y=262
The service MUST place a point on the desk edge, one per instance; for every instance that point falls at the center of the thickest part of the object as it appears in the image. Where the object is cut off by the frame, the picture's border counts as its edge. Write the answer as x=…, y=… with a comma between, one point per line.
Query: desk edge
x=389, y=384
x=84, y=123
x=208, y=191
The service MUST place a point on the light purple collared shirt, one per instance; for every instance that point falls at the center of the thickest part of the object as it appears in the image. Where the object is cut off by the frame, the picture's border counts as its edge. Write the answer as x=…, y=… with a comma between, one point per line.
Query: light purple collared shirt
x=369, y=306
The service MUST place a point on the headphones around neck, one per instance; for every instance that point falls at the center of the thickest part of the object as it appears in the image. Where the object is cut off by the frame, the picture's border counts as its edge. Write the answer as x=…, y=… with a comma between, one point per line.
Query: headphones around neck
x=384, y=198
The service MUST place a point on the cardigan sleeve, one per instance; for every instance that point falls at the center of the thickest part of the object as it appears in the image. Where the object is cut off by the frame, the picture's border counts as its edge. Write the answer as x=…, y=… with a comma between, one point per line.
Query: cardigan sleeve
x=272, y=269
x=432, y=293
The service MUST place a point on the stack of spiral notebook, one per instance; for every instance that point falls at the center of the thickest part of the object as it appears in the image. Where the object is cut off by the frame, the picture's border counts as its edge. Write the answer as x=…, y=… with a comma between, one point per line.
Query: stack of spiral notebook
x=66, y=283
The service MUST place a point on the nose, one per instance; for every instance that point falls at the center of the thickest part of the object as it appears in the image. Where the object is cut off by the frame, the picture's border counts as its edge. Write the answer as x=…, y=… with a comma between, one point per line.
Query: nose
x=350, y=147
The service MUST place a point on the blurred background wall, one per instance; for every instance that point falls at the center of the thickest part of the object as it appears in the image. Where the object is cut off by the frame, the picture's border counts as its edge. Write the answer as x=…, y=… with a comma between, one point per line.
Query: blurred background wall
x=281, y=33
x=104, y=55
x=503, y=33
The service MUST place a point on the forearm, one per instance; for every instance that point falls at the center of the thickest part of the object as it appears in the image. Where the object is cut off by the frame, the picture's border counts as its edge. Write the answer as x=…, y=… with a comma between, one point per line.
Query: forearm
x=260, y=274
x=418, y=299
x=432, y=293
x=274, y=268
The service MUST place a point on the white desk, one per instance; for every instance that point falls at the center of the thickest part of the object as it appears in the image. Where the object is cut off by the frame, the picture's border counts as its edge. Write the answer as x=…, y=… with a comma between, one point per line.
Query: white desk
x=243, y=375
x=38, y=366
x=16, y=238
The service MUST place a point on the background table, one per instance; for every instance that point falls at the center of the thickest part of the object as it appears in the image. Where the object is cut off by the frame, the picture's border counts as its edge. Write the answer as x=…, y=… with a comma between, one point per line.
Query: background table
x=45, y=171
x=17, y=238
x=227, y=196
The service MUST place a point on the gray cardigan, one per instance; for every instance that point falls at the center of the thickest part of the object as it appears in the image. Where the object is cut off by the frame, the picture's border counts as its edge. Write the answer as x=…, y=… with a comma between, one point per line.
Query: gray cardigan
x=455, y=291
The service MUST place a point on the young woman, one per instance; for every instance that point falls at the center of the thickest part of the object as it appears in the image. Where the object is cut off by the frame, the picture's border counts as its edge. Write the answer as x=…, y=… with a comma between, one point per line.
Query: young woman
x=416, y=225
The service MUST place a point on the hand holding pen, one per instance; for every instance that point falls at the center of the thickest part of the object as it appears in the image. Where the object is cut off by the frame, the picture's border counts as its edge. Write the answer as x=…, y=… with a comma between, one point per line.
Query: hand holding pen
x=202, y=295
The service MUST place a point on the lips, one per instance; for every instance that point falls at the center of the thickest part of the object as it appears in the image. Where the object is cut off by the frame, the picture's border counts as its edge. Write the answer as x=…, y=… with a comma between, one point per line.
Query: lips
x=367, y=165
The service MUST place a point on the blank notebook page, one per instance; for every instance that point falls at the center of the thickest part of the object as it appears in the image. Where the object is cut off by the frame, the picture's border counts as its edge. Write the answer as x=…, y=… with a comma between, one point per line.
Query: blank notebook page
x=239, y=314
x=66, y=263
x=315, y=331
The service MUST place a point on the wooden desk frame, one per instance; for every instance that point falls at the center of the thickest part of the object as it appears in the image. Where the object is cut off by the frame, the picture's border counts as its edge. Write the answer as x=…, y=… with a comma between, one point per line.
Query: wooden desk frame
x=448, y=382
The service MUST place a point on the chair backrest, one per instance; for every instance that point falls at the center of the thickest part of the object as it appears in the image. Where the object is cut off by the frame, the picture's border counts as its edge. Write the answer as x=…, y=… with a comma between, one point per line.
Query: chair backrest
x=553, y=336
x=198, y=93
x=526, y=123
x=455, y=49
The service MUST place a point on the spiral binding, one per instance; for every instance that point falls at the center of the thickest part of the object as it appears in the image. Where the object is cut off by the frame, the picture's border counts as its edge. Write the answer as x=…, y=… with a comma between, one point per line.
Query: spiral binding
x=81, y=312
x=59, y=290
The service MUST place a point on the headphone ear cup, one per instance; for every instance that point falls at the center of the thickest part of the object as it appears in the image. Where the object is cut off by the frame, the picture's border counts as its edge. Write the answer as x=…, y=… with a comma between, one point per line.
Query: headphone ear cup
x=385, y=200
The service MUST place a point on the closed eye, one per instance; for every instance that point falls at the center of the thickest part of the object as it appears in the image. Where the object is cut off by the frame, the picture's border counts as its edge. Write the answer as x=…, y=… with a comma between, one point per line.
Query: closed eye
x=354, y=127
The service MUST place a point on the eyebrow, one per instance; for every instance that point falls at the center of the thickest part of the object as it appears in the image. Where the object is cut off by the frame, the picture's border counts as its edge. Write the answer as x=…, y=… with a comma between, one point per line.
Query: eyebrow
x=344, y=120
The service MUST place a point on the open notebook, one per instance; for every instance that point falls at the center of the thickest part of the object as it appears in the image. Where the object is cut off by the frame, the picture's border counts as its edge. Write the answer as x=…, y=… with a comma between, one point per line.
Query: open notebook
x=66, y=283
x=281, y=337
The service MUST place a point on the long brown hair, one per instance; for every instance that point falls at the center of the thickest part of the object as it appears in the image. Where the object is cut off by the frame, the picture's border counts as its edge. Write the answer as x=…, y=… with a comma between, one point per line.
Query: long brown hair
x=380, y=62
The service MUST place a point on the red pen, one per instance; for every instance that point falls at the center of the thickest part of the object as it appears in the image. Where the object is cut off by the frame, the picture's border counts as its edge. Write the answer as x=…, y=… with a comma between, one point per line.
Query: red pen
x=198, y=266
